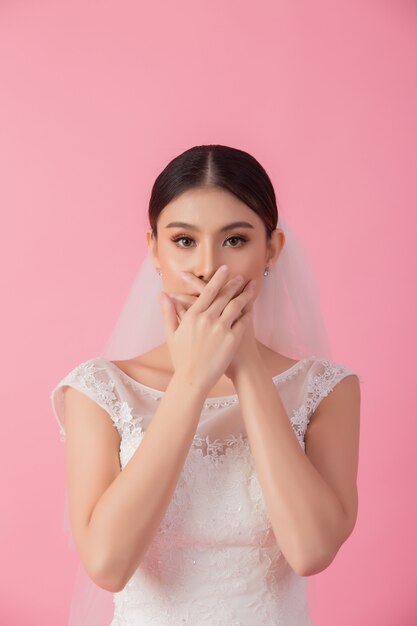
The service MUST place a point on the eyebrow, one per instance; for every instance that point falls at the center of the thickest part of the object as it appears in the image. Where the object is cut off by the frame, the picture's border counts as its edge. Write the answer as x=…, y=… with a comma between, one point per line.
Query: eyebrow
x=222, y=230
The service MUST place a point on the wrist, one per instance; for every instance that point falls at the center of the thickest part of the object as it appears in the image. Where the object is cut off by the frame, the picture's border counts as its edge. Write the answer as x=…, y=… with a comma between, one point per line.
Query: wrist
x=188, y=385
x=247, y=370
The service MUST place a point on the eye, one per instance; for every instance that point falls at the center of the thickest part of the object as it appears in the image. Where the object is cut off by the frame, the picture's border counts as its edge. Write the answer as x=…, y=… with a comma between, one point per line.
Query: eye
x=242, y=240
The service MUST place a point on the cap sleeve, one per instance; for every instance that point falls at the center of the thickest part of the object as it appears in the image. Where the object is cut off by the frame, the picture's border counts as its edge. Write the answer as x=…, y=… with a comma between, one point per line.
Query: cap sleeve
x=94, y=380
x=325, y=377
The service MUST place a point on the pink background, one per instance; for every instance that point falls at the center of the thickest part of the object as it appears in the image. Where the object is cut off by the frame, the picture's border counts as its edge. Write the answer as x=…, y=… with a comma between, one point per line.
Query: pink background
x=96, y=98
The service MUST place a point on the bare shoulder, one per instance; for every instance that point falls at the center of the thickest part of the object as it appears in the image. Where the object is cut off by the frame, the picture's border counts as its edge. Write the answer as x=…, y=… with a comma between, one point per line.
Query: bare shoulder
x=92, y=462
x=332, y=445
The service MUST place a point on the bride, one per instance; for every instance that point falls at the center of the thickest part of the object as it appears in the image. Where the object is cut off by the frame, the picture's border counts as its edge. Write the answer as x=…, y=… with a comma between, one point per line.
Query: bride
x=210, y=471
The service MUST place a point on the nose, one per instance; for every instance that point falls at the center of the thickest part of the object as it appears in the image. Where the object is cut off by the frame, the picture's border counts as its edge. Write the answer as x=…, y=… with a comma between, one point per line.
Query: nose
x=207, y=265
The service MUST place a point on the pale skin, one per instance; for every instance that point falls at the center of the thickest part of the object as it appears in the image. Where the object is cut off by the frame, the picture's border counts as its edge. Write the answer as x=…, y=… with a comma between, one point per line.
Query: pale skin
x=311, y=497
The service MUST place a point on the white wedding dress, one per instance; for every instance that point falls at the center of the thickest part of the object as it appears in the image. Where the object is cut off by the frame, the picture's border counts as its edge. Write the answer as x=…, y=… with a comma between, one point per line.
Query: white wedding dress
x=214, y=560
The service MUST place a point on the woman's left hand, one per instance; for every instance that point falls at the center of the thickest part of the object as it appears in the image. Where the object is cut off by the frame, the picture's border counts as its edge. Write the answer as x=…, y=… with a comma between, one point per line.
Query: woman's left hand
x=248, y=348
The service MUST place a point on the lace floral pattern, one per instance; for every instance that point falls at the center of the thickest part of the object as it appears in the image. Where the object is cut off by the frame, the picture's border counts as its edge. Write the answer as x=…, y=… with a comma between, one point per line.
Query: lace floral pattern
x=319, y=386
x=214, y=559
x=96, y=384
x=209, y=403
x=94, y=380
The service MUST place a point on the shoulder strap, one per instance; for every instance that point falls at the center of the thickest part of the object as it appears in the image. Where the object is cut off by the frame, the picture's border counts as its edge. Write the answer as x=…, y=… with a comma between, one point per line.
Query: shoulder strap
x=94, y=380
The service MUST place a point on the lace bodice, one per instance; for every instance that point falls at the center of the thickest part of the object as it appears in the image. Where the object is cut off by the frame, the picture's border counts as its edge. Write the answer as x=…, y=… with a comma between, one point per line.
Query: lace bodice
x=214, y=559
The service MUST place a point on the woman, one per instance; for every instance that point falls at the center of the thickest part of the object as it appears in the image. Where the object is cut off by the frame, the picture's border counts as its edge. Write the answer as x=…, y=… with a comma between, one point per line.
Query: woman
x=212, y=473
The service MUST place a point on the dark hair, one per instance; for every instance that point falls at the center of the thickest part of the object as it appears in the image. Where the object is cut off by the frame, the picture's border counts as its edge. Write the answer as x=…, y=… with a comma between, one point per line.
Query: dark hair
x=216, y=166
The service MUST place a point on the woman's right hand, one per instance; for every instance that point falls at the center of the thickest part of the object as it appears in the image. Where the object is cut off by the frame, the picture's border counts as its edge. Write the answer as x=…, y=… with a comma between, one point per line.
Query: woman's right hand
x=204, y=342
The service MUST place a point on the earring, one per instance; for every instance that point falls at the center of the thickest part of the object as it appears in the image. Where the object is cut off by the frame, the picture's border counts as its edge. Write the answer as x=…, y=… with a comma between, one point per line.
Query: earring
x=266, y=272
x=159, y=271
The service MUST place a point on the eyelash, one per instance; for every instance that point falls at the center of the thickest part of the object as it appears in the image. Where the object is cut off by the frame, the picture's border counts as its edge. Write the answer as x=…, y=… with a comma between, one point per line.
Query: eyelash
x=179, y=237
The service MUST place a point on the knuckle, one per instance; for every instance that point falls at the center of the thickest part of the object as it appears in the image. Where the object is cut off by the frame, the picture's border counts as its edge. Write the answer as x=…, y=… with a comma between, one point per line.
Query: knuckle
x=205, y=315
x=223, y=324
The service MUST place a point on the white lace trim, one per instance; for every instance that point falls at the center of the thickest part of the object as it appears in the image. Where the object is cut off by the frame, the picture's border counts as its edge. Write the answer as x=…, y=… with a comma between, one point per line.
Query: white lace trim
x=209, y=403
x=95, y=381
x=319, y=386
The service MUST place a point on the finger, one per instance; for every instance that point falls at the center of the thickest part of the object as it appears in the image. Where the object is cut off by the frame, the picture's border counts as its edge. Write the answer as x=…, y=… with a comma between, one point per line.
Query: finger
x=182, y=303
x=244, y=299
x=180, y=309
x=232, y=291
x=185, y=299
x=248, y=307
x=241, y=324
x=211, y=290
x=197, y=283
x=169, y=314
x=191, y=279
x=252, y=293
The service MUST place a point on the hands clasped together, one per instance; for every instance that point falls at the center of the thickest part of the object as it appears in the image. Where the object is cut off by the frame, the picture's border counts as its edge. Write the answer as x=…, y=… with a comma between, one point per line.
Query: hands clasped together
x=204, y=342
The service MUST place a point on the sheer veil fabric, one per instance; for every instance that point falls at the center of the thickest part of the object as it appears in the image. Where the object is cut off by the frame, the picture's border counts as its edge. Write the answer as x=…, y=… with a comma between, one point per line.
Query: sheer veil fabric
x=287, y=314
x=287, y=318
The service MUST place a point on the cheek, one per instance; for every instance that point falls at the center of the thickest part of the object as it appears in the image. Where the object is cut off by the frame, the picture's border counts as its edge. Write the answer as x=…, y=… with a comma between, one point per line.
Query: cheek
x=251, y=267
x=172, y=279
x=177, y=285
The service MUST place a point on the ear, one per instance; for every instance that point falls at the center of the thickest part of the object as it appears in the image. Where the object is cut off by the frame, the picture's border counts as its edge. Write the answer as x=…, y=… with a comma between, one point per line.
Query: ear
x=152, y=246
x=275, y=246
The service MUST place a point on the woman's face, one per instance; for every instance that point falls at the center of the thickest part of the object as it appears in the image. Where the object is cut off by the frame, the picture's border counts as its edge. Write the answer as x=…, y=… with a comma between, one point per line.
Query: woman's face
x=206, y=240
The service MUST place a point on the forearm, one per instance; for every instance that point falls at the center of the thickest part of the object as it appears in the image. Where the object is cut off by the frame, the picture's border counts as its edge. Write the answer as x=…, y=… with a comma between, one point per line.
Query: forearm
x=128, y=514
x=305, y=513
